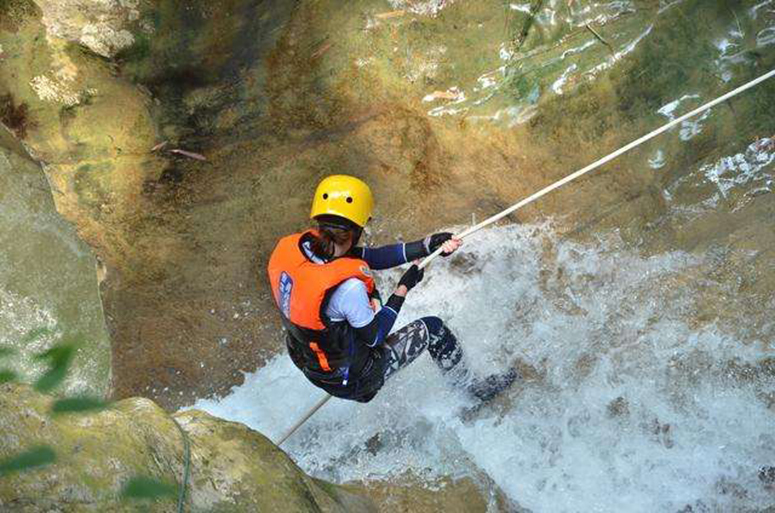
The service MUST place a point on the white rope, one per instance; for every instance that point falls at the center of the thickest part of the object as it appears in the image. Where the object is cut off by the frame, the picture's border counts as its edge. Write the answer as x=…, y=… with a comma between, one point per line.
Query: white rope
x=302, y=420
x=604, y=160
x=550, y=188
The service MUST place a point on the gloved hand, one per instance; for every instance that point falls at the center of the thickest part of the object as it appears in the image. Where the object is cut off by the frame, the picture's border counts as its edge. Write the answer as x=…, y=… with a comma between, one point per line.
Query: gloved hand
x=412, y=277
x=375, y=299
x=376, y=295
x=434, y=242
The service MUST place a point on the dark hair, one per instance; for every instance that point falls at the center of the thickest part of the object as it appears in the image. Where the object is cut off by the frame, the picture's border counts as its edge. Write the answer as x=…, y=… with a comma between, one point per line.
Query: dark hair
x=327, y=237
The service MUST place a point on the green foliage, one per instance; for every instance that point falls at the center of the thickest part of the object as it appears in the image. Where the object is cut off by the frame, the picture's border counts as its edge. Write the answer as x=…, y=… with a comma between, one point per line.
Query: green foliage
x=141, y=487
x=59, y=358
x=79, y=405
x=7, y=376
x=35, y=457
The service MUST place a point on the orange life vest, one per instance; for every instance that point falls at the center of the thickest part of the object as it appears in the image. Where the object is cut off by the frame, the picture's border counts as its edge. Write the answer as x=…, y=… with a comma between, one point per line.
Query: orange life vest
x=301, y=289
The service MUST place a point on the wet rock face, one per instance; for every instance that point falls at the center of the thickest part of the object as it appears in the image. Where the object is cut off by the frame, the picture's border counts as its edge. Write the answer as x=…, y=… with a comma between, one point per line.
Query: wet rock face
x=187, y=154
x=232, y=468
x=413, y=495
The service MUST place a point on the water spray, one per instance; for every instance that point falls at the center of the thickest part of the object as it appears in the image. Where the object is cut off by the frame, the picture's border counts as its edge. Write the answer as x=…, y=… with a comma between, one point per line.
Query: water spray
x=546, y=190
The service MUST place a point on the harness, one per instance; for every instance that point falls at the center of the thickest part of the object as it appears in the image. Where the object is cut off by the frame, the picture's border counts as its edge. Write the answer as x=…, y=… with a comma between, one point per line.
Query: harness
x=324, y=350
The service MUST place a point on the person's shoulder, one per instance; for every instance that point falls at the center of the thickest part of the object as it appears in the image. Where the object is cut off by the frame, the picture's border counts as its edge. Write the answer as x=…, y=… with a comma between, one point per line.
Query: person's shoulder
x=349, y=296
x=356, y=268
x=351, y=285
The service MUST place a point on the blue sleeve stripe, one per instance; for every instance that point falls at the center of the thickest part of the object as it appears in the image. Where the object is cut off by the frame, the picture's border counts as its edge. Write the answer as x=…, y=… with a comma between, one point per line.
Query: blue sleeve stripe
x=385, y=320
x=385, y=257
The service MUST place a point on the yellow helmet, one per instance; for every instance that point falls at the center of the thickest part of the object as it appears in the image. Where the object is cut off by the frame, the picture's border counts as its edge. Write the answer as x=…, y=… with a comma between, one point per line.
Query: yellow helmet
x=343, y=196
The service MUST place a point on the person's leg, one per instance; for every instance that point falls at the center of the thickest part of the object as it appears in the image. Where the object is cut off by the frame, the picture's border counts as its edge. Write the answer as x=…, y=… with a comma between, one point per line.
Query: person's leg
x=406, y=344
x=443, y=345
x=448, y=355
x=402, y=347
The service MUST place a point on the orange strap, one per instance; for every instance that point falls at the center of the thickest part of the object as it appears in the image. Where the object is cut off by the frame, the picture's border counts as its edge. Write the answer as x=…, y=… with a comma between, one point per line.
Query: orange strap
x=322, y=360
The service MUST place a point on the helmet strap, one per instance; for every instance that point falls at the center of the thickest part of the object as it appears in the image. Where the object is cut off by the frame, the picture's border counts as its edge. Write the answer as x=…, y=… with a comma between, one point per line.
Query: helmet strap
x=357, y=236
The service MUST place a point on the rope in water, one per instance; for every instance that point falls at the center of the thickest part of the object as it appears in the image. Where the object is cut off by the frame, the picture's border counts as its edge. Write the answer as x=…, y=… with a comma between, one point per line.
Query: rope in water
x=557, y=185
x=302, y=420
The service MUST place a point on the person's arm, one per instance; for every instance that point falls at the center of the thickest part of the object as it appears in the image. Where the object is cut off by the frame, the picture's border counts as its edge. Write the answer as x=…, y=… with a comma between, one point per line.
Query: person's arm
x=352, y=303
x=379, y=328
x=393, y=255
x=382, y=323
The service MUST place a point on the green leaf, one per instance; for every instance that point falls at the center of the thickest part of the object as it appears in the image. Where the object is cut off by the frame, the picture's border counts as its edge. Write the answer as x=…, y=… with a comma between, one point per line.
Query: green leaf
x=35, y=457
x=141, y=487
x=7, y=376
x=78, y=405
x=59, y=358
x=6, y=351
x=51, y=379
x=58, y=353
x=37, y=333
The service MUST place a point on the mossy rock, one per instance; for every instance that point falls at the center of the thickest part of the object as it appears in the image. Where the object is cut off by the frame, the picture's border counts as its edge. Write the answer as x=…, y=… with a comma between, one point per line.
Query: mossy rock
x=233, y=469
x=237, y=469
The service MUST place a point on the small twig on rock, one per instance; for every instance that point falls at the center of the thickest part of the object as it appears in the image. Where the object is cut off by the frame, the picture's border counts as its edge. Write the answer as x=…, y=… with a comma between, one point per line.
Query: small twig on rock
x=599, y=37
x=390, y=14
x=189, y=154
x=535, y=6
x=159, y=146
x=323, y=49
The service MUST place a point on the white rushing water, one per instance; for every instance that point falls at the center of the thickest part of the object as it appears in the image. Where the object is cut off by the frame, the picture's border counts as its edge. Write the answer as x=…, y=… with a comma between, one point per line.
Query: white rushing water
x=631, y=406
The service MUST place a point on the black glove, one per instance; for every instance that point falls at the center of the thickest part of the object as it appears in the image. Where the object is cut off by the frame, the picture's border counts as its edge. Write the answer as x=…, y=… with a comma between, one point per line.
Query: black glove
x=411, y=277
x=376, y=295
x=434, y=242
x=424, y=247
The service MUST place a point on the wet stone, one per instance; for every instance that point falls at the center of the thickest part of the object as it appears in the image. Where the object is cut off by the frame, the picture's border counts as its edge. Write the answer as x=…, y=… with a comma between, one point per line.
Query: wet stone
x=767, y=477
x=619, y=407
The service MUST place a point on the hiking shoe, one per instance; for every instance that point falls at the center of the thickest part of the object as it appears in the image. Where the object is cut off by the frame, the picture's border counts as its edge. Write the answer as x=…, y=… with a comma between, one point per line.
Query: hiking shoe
x=486, y=389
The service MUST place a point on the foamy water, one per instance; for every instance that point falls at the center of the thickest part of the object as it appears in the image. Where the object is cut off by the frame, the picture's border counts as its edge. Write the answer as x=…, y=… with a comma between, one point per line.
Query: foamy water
x=630, y=405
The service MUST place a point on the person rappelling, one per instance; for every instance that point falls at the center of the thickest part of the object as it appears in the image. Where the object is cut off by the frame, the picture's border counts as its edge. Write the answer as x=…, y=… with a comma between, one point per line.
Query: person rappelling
x=338, y=330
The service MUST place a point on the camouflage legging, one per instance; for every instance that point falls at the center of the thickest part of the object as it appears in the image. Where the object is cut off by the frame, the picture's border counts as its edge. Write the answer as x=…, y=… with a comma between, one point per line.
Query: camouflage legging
x=405, y=345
